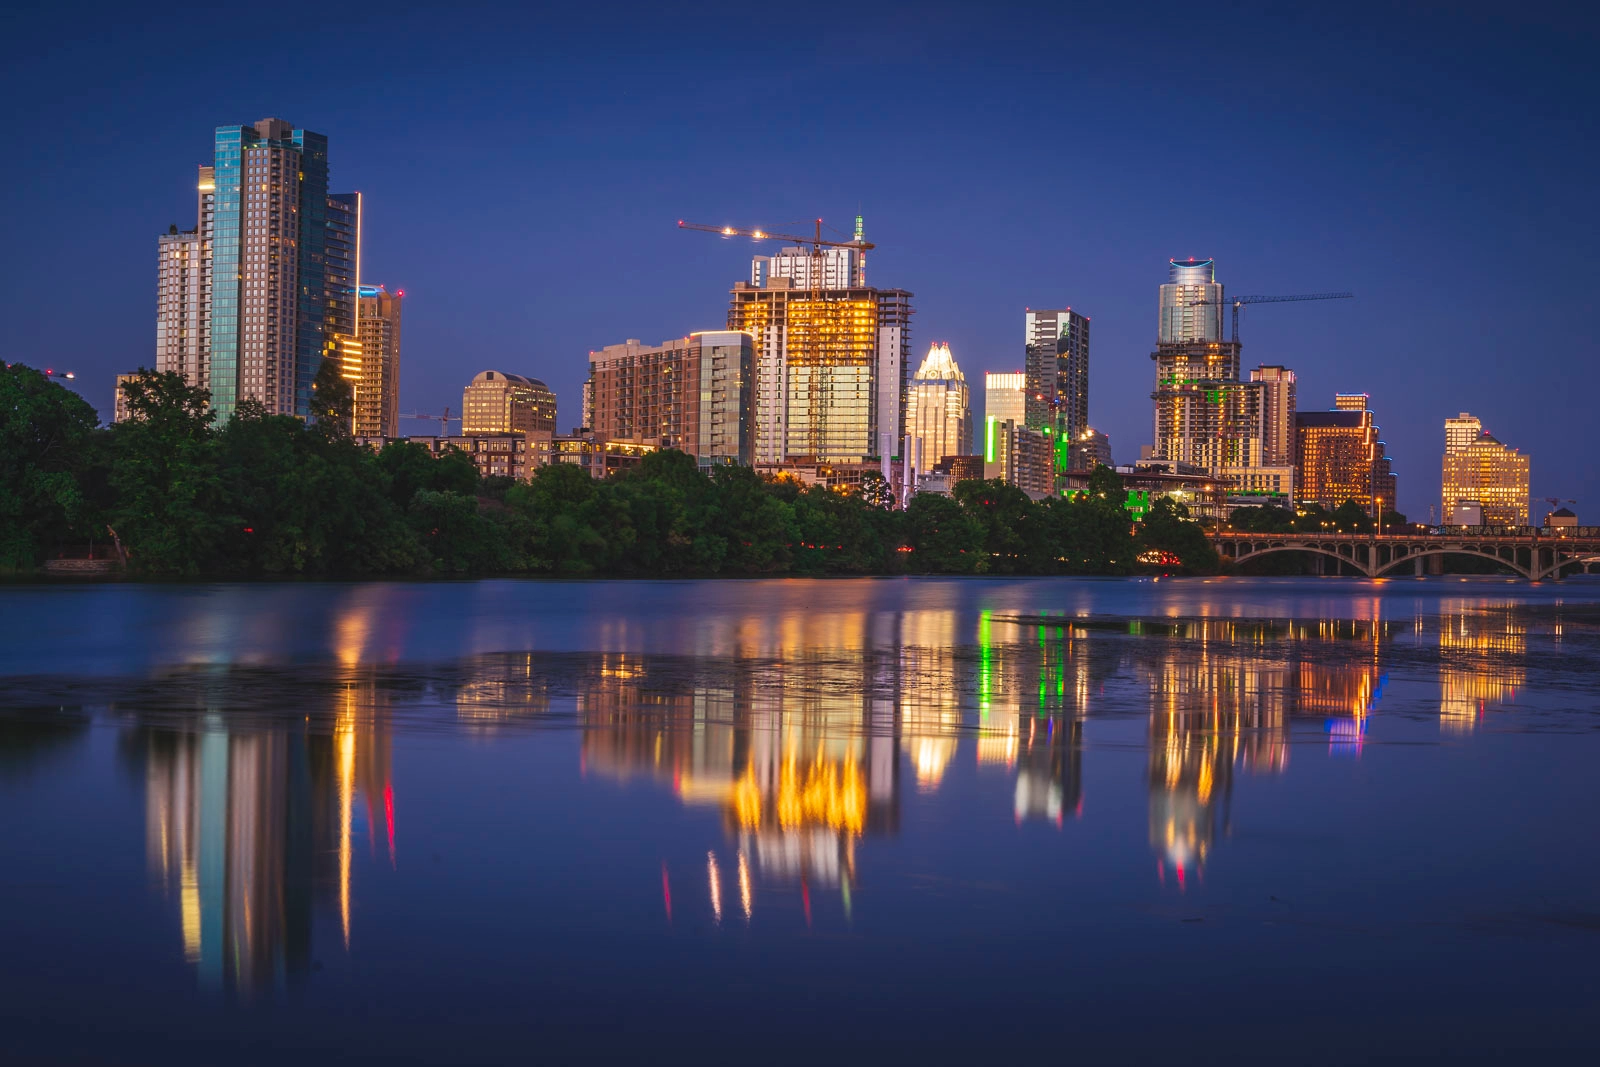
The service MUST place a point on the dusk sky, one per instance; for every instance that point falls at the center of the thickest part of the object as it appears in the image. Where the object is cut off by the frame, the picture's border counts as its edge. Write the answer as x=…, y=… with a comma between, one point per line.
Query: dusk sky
x=524, y=171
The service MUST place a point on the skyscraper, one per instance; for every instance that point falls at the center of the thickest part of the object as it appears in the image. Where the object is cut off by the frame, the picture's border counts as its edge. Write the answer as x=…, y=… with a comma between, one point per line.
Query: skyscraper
x=830, y=371
x=1204, y=415
x=938, y=408
x=378, y=391
x=1482, y=470
x=693, y=393
x=1190, y=303
x=1056, y=352
x=254, y=322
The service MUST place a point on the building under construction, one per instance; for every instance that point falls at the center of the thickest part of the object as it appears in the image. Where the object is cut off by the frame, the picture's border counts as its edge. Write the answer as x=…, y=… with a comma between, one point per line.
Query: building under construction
x=832, y=355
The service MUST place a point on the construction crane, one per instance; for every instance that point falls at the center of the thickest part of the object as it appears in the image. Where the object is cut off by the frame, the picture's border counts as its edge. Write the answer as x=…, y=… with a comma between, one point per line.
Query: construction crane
x=444, y=420
x=1240, y=301
x=812, y=354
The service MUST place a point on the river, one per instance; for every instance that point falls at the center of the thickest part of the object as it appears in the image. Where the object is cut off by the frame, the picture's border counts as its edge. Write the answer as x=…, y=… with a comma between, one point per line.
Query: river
x=897, y=820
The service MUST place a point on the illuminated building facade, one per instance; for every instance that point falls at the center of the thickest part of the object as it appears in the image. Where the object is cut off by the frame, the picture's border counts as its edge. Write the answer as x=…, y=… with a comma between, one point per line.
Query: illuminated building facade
x=503, y=455
x=1056, y=354
x=377, y=392
x=1461, y=431
x=1278, y=410
x=939, y=409
x=244, y=305
x=830, y=364
x=1485, y=472
x=694, y=393
x=1019, y=456
x=1005, y=397
x=1339, y=457
x=495, y=402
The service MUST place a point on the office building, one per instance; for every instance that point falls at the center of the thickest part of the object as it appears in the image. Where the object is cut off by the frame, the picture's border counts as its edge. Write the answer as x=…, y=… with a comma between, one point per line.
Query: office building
x=694, y=393
x=1005, y=397
x=1190, y=305
x=243, y=307
x=1485, y=472
x=496, y=403
x=501, y=455
x=1339, y=457
x=938, y=408
x=1056, y=354
x=1461, y=431
x=1019, y=456
x=1090, y=449
x=831, y=364
x=1279, y=406
x=377, y=390
x=119, y=404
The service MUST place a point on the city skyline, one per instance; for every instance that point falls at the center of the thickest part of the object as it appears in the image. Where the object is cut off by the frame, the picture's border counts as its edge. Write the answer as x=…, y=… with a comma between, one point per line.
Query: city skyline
x=1310, y=190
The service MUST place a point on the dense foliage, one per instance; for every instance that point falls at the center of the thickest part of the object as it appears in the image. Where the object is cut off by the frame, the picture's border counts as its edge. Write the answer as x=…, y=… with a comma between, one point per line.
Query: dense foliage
x=266, y=495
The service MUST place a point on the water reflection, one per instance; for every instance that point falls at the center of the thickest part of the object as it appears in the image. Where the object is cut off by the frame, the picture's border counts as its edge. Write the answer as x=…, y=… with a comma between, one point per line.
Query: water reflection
x=807, y=743
x=1481, y=665
x=249, y=831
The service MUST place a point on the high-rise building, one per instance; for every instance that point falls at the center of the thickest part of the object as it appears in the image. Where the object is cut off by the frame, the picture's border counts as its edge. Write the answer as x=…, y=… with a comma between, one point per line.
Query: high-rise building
x=1190, y=303
x=1056, y=349
x=938, y=408
x=254, y=323
x=1278, y=411
x=1461, y=431
x=1486, y=472
x=496, y=403
x=1339, y=457
x=1005, y=397
x=693, y=393
x=1205, y=416
x=377, y=392
x=831, y=363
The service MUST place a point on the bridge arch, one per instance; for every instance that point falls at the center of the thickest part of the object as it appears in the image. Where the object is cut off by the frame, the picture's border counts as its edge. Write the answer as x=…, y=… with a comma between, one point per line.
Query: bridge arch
x=1315, y=550
x=1401, y=561
x=1580, y=560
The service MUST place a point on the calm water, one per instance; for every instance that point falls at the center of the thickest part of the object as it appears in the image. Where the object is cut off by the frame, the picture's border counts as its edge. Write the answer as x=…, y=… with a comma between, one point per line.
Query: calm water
x=800, y=822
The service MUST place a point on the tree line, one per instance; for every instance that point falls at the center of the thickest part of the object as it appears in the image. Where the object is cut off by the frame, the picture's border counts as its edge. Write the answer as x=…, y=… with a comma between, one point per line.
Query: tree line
x=261, y=496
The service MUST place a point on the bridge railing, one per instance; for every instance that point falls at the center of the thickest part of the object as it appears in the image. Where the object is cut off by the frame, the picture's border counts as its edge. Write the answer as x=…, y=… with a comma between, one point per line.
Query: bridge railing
x=1435, y=533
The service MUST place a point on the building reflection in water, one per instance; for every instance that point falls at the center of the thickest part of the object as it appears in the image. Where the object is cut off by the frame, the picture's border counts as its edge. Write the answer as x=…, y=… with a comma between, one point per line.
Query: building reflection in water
x=251, y=829
x=1222, y=698
x=798, y=757
x=1481, y=664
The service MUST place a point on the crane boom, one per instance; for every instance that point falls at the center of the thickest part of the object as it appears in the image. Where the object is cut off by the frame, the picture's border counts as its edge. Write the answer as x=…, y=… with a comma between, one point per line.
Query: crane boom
x=764, y=235
x=1240, y=301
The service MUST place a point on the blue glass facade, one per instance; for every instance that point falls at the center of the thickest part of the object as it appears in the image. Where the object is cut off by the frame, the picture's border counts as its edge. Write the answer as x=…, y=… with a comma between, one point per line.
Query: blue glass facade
x=268, y=266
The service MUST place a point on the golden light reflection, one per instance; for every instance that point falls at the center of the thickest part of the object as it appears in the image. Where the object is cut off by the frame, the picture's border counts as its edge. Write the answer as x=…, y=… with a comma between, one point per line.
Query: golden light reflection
x=745, y=896
x=716, y=885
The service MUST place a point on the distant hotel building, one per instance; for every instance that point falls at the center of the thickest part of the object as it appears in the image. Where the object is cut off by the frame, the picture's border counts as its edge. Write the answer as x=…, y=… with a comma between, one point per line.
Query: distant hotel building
x=1339, y=457
x=1005, y=397
x=830, y=373
x=938, y=409
x=252, y=299
x=495, y=402
x=695, y=394
x=1479, y=470
x=377, y=389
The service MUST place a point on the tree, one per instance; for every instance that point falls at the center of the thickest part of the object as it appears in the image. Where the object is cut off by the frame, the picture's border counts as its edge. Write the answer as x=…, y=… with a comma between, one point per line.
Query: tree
x=164, y=474
x=943, y=537
x=45, y=436
x=333, y=399
x=1168, y=529
x=1106, y=484
x=876, y=491
x=1351, y=517
x=1008, y=521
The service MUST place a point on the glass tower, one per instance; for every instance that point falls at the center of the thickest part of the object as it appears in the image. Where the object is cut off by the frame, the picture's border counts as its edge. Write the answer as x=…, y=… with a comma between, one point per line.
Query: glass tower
x=263, y=231
x=1191, y=303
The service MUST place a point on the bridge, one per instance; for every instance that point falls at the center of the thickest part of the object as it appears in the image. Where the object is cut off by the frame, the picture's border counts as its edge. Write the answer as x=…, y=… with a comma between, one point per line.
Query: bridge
x=1534, y=552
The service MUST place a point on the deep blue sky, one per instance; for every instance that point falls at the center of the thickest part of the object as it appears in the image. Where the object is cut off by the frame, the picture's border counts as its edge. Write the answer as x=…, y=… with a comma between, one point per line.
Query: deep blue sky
x=524, y=172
